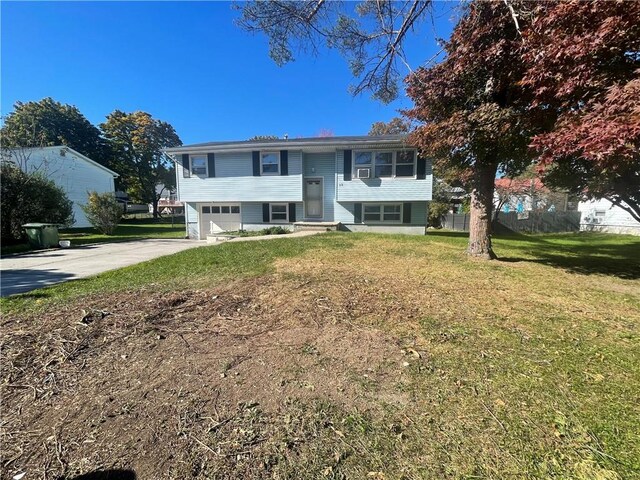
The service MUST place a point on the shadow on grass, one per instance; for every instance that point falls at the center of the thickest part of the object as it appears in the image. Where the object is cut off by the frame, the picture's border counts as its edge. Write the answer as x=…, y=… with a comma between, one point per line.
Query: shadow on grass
x=581, y=254
x=584, y=253
x=446, y=234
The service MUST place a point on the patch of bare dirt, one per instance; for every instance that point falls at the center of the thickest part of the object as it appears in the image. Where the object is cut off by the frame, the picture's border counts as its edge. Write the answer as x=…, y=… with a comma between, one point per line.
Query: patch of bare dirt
x=187, y=385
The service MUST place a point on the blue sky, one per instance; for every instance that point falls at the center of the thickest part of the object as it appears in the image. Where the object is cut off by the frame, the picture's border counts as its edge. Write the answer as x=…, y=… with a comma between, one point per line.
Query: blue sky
x=188, y=64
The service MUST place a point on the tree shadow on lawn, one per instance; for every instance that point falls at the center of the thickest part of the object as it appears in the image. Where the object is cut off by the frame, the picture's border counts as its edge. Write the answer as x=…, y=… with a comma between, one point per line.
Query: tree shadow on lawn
x=581, y=255
x=584, y=253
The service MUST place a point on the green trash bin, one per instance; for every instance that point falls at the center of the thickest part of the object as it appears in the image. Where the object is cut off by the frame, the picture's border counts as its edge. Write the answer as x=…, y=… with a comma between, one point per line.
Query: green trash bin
x=42, y=235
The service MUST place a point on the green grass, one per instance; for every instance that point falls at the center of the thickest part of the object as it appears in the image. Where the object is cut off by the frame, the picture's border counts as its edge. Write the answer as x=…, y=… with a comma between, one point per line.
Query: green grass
x=528, y=365
x=128, y=230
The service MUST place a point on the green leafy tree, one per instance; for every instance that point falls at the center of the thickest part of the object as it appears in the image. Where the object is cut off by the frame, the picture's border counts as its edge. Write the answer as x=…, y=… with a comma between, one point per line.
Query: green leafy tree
x=394, y=126
x=30, y=197
x=48, y=123
x=103, y=211
x=137, y=141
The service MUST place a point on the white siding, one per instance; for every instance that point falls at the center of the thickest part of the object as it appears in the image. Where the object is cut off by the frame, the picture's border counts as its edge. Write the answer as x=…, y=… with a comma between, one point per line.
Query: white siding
x=602, y=215
x=72, y=173
x=234, y=182
x=193, y=220
x=382, y=189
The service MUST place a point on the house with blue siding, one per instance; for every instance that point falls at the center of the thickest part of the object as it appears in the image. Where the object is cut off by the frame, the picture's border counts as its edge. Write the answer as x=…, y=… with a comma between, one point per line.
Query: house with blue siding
x=364, y=183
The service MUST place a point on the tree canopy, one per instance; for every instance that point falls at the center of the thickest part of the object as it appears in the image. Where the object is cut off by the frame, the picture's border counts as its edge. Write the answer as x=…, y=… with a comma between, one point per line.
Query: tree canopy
x=474, y=114
x=583, y=67
x=47, y=123
x=138, y=140
x=394, y=126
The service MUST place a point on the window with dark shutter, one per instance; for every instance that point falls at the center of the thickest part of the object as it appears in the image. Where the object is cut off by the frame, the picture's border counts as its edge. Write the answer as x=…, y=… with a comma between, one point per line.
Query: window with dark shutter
x=186, y=168
x=357, y=213
x=211, y=164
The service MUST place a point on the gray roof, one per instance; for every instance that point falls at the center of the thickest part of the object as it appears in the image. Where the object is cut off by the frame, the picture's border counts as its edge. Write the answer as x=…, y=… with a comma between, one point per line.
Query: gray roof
x=311, y=142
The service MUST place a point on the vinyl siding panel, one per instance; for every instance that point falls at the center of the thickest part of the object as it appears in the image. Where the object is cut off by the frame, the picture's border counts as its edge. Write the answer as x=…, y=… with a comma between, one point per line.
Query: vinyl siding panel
x=382, y=189
x=252, y=212
x=324, y=165
x=235, y=182
x=73, y=174
x=614, y=220
x=345, y=210
x=419, y=213
x=193, y=220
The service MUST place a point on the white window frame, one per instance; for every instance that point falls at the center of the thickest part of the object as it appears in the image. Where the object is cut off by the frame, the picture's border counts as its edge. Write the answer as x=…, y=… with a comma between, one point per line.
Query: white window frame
x=279, y=220
x=277, y=154
x=394, y=162
x=206, y=165
x=381, y=217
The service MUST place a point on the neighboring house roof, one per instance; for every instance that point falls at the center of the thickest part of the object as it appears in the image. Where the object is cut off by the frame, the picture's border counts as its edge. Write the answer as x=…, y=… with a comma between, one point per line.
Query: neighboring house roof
x=281, y=143
x=66, y=150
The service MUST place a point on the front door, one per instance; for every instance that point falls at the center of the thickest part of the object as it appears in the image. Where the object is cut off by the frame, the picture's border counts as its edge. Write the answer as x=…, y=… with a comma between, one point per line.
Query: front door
x=313, y=198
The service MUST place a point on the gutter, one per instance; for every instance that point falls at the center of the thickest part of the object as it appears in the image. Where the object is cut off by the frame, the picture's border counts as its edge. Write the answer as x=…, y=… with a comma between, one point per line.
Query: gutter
x=288, y=144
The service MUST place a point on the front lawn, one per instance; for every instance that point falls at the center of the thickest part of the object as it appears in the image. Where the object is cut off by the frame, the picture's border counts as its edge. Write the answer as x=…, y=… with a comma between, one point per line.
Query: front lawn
x=334, y=356
x=128, y=230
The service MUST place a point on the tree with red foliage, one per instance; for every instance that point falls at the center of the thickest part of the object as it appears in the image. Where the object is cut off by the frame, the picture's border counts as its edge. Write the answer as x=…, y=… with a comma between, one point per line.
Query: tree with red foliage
x=474, y=113
x=583, y=68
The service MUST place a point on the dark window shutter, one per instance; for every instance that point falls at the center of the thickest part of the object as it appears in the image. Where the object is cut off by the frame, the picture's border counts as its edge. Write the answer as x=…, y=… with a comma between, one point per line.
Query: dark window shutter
x=256, y=163
x=347, y=165
x=186, y=172
x=357, y=213
x=265, y=212
x=284, y=162
x=421, y=170
x=211, y=160
x=406, y=213
x=292, y=212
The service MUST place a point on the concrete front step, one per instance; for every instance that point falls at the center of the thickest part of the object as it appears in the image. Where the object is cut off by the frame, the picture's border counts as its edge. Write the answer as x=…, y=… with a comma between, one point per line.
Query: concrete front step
x=316, y=226
x=219, y=238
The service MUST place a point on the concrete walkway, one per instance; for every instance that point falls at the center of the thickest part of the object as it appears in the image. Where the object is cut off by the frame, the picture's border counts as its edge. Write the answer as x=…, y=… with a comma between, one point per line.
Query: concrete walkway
x=29, y=271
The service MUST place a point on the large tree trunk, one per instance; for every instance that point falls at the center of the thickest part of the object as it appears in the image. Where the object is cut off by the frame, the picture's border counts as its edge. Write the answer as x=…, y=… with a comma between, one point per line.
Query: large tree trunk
x=481, y=209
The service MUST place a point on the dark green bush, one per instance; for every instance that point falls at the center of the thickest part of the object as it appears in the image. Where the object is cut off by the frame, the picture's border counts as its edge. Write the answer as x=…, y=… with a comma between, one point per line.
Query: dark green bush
x=27, y=198
x=274, y=231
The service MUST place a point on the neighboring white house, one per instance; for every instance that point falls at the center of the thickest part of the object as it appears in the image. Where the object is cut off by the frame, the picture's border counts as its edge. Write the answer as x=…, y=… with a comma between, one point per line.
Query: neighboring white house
x=603, y=216
x=70, y=170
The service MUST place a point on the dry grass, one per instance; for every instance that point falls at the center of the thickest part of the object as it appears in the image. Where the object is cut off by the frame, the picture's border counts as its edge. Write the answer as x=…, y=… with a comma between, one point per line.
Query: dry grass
x=380, y=357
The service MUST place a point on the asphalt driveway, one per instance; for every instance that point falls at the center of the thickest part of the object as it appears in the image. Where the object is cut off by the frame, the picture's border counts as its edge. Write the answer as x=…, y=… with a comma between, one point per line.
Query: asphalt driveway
x=29, y=271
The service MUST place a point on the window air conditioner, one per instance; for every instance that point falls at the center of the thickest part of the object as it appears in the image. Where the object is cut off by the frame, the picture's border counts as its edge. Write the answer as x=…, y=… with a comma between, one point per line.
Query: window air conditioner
x=363, y=173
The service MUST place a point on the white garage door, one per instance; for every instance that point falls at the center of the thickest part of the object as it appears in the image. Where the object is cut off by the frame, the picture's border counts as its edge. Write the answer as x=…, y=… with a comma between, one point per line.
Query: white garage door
x=216, y=218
